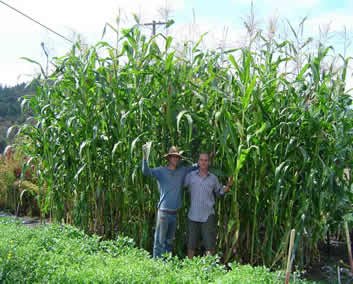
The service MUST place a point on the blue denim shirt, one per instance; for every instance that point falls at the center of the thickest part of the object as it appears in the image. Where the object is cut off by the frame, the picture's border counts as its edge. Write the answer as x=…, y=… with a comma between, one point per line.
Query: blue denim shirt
x=170, y=184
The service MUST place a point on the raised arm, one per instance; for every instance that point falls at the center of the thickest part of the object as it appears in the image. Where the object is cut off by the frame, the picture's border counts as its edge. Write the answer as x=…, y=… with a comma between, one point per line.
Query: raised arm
x=146, y=170
x=191, y=168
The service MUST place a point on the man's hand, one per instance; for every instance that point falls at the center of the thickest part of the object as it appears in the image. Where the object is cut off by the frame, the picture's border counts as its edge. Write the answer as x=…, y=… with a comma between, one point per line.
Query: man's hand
x=146, y=148
x=229, y=184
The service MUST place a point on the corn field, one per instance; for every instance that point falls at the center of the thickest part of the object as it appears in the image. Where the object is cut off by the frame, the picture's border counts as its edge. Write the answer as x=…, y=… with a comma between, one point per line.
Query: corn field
x=285, y=136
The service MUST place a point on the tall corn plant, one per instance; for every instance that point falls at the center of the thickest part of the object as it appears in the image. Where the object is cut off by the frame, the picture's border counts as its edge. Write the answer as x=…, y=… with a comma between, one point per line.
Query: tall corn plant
x=282, y=145
x=285, y=137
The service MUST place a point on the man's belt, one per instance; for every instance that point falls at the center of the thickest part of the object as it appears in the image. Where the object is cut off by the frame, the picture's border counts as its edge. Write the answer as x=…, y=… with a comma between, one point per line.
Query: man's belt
x=171, y=212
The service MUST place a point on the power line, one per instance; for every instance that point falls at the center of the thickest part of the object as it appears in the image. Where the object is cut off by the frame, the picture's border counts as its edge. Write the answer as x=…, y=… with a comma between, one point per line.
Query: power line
x=49, y=29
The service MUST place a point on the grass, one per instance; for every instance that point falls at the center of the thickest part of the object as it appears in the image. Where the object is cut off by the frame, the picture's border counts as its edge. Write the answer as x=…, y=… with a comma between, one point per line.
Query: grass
x=64, y=254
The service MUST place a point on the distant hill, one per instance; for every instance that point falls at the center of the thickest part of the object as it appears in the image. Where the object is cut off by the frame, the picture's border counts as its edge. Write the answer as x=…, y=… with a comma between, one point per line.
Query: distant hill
x=10, y=109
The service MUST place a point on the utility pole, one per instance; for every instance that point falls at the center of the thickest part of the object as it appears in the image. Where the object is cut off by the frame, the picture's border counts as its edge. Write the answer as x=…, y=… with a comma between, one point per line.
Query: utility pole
x=154, y=24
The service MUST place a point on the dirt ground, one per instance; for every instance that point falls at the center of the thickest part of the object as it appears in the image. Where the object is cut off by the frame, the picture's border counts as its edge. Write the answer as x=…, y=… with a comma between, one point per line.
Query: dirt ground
x=333, y=266
x=27, y=221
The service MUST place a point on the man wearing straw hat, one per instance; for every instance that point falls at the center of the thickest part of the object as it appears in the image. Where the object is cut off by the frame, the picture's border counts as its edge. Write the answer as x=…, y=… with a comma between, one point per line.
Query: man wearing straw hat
x=170, y=182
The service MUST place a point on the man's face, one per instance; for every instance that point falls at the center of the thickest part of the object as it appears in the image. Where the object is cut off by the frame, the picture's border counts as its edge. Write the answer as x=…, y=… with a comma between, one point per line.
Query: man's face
x=173, y=160
x=203, y=162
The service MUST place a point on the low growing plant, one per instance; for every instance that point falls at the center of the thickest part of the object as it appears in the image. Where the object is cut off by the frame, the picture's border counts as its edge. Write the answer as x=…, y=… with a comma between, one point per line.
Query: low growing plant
x=64, y=254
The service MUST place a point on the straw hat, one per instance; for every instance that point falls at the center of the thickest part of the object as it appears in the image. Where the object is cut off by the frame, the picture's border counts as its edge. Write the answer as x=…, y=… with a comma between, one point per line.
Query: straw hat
x=174, y=151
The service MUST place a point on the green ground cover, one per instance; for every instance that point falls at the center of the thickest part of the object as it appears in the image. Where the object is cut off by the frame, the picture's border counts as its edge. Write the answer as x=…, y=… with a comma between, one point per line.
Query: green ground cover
x=64, y=254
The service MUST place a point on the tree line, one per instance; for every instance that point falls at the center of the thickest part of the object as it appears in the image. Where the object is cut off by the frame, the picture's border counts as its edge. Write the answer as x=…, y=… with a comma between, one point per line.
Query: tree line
x=10, y=109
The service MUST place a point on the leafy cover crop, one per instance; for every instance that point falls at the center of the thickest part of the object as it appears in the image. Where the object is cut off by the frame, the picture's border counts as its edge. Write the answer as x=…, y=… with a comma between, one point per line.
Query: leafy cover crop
x=63, y=254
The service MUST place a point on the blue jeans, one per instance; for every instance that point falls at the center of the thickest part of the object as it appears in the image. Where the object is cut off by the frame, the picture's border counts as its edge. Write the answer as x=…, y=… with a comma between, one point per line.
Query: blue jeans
x=164, y=234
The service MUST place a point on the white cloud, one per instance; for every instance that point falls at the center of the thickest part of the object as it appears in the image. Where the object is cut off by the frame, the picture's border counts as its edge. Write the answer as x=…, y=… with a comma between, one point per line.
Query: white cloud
x=17, y=72
x=22, y=37
x=283, y=8
x=79, y=14
x=336, y=21
x=218, y=34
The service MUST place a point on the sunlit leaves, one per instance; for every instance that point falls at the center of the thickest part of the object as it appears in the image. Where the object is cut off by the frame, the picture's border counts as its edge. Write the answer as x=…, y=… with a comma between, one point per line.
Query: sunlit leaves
x=282, y=136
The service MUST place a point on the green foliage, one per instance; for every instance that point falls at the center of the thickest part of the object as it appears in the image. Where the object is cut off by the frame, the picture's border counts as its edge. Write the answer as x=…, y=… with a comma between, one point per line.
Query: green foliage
x=18, y=188
x=10, y=110
x=63, y=254
x=283, y=133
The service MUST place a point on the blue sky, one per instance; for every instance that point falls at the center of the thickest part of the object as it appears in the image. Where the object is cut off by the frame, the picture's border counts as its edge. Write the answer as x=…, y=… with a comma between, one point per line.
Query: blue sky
x=231, y=11
x=222, y=19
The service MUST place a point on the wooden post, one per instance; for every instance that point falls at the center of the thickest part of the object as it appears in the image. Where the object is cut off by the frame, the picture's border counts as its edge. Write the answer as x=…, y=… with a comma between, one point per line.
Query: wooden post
x=349, y=245
x=289, y=261
x=154, y=24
